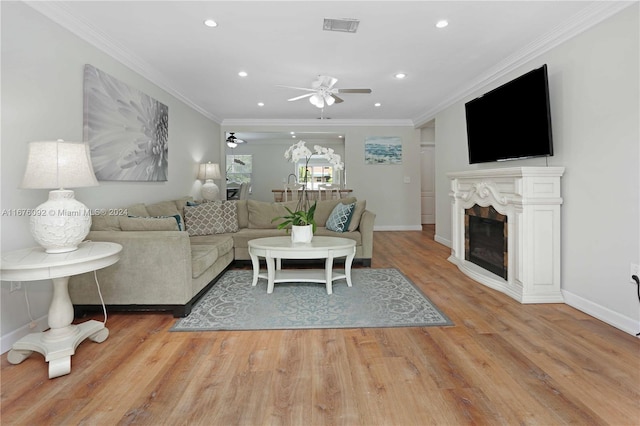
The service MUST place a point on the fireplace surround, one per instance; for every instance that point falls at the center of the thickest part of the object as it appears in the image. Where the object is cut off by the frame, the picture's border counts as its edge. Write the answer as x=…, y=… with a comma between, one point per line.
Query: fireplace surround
x=529, y=199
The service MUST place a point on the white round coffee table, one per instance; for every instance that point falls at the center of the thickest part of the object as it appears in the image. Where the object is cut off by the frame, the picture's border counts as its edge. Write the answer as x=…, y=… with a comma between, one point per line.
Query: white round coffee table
x=278, y=248
x=58, y=344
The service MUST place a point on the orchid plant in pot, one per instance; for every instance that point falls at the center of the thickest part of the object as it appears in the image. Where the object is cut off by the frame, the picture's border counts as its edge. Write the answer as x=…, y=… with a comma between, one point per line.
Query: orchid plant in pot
x=303, y=215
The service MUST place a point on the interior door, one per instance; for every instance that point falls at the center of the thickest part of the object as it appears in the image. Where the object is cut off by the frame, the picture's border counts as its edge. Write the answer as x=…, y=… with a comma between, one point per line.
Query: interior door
x=428, y=184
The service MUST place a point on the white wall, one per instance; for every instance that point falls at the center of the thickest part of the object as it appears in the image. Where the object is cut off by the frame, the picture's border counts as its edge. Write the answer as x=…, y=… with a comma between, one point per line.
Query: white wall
x=594, y=91
x=395, y=203
x=42, y=80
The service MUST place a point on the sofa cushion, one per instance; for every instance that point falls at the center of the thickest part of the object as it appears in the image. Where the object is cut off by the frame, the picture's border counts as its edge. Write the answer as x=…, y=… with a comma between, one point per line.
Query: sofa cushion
x=202, y=257
x=105, y=222
x=163, y=208
x=223, y=242
x=216, y=217
x=262, y=213
x=361, y=206
x=340, y=217
x=243, y=213
x=164, y=223
x=181, y=202
x=137, y=210
x=242, y=237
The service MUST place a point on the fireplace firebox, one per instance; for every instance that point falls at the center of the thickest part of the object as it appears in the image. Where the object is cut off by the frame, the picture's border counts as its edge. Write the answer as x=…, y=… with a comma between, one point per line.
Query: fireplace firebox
x=486, y=242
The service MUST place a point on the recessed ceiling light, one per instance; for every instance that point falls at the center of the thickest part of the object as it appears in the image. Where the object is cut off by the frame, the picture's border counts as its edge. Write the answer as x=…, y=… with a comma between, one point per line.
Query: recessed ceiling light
x=260, y=104
x=340, y=136
x=377, y=104
x=210, y=23
x=292, y=133
x=442, y=23
x=243, y=74
x=400, y=75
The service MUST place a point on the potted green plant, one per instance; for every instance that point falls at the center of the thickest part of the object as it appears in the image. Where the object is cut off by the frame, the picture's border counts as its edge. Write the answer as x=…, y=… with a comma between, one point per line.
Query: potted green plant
x=297, y=219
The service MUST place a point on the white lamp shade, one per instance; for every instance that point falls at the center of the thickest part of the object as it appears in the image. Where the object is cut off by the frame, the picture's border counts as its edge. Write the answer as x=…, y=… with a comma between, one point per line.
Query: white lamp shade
x=58, y=164
x=209, y=171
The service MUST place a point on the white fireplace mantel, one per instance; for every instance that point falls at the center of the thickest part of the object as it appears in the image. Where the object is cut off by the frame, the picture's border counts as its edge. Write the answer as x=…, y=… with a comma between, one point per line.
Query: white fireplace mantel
x=530, y=198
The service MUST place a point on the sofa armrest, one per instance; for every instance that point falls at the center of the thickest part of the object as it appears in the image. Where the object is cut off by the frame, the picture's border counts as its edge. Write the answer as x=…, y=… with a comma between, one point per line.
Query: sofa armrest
x=366, y=231
x=153, y=265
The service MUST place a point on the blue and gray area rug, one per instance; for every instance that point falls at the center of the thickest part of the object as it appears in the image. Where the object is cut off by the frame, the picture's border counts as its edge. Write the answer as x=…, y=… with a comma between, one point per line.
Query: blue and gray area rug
x=378, y=298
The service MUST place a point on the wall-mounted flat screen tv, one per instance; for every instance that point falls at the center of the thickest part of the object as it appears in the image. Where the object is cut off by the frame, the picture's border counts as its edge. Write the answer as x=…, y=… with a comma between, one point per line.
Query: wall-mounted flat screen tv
x=512, y=121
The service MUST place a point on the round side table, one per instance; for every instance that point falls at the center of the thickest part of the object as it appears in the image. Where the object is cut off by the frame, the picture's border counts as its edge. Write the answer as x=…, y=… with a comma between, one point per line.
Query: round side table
x=58, y=343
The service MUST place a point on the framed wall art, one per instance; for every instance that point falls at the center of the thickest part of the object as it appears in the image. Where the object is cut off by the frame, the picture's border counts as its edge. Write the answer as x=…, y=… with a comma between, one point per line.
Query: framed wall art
x=126, y=129
x=382, y=150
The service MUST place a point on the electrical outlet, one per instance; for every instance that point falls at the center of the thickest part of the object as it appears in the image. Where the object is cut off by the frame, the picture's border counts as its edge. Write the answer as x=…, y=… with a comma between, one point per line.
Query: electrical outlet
x=634, y=269
x=15, y=286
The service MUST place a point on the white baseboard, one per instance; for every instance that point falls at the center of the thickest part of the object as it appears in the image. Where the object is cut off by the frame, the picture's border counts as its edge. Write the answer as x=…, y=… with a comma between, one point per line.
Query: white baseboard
x=442, y=241
x=626, y=324
x=7, y=341
x=398, y=228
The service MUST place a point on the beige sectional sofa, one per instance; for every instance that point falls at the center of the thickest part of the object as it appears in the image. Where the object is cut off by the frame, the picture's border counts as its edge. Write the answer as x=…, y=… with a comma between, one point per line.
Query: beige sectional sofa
x=162, y=268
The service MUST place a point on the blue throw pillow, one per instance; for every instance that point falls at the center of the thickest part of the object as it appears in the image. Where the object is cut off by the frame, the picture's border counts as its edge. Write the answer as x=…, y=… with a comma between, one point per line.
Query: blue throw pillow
x=340, y=217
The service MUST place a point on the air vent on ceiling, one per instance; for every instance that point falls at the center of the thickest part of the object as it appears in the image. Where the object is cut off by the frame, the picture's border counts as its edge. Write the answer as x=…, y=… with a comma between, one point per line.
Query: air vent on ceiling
x=343, y=25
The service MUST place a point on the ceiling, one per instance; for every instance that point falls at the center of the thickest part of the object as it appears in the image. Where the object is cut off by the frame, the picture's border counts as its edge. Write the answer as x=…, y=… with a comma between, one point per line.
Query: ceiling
x=283, y=43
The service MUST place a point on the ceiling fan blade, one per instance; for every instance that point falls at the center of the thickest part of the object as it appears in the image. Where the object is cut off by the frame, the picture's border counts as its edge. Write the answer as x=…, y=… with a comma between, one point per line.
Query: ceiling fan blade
x=301, y=97
x=330, y=81
x=299, y=88
x=337, y=99
x=353, y=90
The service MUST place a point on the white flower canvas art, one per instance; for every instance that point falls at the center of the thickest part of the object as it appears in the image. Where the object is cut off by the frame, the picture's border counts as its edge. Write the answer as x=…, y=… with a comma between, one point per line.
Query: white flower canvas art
x=126, y=129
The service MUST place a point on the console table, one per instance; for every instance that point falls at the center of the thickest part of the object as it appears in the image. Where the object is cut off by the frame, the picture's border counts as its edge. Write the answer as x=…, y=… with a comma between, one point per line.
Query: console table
x=58, y=343
x=278, y=194
x=321, y=247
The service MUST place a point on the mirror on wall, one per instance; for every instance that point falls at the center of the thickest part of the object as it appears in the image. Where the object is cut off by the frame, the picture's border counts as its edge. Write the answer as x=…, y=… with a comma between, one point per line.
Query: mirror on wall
x=269, y=170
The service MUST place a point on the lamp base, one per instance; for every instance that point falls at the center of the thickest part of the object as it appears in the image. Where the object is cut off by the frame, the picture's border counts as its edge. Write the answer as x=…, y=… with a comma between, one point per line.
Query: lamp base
x=210, y=190
x=60, y=223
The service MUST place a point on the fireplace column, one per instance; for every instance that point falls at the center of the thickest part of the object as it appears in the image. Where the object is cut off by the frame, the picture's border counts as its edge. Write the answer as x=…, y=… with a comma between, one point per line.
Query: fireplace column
x=530, y=199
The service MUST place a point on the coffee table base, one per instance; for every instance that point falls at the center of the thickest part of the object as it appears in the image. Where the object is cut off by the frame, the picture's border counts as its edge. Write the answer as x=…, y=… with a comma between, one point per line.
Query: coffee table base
x=304, y=276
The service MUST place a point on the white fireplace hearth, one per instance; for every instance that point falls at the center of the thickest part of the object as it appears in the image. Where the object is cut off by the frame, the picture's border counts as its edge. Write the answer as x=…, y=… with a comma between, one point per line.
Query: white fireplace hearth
x=530, y=198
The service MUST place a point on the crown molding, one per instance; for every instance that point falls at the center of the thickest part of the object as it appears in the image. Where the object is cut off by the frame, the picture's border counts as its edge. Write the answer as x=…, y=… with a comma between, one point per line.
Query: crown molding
x=581, y=22
x=59, y=13
x=315, y=122
x=590, y=16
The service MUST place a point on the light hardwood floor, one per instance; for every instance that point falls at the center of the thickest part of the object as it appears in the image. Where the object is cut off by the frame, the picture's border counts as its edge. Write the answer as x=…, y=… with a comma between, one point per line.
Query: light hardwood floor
x=502, y=363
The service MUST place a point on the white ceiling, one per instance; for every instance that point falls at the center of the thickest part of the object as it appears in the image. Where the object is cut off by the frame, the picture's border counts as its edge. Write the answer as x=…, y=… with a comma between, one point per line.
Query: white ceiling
x=283, y=43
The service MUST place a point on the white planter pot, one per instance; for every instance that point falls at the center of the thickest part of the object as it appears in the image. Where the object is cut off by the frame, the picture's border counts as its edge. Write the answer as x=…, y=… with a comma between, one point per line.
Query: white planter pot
x=301, y=234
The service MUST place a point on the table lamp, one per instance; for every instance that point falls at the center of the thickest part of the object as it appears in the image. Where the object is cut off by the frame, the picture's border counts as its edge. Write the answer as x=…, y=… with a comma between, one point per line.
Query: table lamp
x=62, y=222
x=208, y=172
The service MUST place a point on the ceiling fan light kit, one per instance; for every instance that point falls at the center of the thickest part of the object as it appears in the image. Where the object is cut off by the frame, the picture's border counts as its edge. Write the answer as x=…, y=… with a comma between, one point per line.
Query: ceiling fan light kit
x=323, y=93
x=233, y=141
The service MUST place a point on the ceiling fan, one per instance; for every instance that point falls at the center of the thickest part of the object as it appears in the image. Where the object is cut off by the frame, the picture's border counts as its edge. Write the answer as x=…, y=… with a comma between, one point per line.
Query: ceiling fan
x=233, y=141
x=323, y=93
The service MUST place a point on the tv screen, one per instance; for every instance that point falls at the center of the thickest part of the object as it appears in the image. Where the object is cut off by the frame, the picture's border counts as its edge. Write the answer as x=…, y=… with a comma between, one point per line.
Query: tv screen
x=512, y=121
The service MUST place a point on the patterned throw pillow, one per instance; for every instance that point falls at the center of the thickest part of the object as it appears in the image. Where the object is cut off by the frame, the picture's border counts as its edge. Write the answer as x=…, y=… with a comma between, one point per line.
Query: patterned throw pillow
x=340, y=216
x=216, y=217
